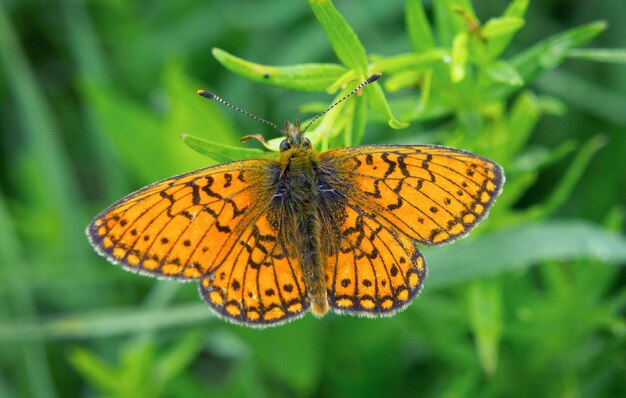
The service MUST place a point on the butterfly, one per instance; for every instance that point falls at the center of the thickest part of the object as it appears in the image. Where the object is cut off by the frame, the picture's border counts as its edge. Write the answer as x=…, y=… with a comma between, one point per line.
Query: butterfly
x=269, y=240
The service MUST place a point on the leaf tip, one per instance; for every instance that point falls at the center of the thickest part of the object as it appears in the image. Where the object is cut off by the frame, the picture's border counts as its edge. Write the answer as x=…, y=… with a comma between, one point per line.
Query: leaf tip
x=396, y=124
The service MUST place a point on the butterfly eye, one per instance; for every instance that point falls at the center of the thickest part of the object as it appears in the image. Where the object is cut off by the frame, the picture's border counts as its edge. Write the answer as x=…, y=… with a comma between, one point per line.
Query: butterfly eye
x=284, y=145
x=307, y=143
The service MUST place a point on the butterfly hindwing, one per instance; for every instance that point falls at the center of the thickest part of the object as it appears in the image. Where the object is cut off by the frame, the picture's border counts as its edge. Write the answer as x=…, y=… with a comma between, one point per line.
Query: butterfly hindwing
x=375, y=270
x=259, y=283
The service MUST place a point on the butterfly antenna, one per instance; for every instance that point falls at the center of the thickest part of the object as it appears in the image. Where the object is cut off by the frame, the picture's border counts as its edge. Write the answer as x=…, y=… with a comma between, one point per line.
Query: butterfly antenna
x=214, y=97
x=369, y=80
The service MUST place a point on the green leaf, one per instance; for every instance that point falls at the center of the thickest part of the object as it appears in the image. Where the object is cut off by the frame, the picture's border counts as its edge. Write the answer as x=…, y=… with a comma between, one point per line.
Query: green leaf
x=485, y=312
x=174, y=362
x=342, y=81
x=504, y=26
x=127, y=123
x=524, y=170
x=403, y=79
x=549, y=53
x=272, y=348
x=345, y=42
x=521, y=123
x=497, y=45
x=418, y=27
x=305, y=77
x=188, y=112
x=552, y=105
x=378, y=102
x=546, y=55
x=504, y=72
x=459, y=57
x=449, y=19
x=360, y=120
x=412, y=108
x=520, y=247
x=583, y=94
x=222, y=153
x=92, y=368
x=539, y=157
x=327, y=128
x=611, y=55
x=424, y=59
x=565, y=186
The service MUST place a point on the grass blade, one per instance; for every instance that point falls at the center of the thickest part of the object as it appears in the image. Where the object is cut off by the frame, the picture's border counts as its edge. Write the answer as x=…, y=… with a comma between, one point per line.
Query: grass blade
x=521, y=247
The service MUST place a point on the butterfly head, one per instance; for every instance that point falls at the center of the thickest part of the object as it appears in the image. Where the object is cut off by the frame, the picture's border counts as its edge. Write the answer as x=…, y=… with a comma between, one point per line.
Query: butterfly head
x=294, y=142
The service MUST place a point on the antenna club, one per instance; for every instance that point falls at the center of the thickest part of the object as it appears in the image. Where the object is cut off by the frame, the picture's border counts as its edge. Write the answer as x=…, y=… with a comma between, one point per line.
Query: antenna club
x=369, y=80
x=206, y=94
x=373, y=78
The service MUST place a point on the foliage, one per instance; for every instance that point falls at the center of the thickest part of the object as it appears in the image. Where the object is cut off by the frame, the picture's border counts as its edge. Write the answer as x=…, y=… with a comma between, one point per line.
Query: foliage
x=531, y=304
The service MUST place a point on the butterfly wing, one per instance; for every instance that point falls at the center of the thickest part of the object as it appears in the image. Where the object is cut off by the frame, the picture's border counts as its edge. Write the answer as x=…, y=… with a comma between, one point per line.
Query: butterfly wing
x=433, y=194
x=374, y=269
x=208, y=225
x=259, y=282
x=381, y=202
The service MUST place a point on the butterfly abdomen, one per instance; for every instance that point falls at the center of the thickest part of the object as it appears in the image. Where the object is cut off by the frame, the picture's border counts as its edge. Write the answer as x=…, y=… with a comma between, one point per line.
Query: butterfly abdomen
x=312, y=264
x=295, y=209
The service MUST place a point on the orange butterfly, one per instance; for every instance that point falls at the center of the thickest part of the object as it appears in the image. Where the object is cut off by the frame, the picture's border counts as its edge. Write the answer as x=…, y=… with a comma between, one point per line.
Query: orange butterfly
x=268, y=240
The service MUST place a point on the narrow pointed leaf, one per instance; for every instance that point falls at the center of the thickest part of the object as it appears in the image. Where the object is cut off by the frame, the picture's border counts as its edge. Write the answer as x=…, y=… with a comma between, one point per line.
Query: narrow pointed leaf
x=611, y=55
x=563, y=190
x=459, y=57
x=549, y=53
x=306, y=77
x=449, y=21
x=420, y=33
x=360, y=119
x=423, y=59
x=546, y=55
x=504, y=72
x=583, y=94
x=497, y=27
x=93, y=368
x=222, y=153
x=345, y=42
x=378, y=102
x=497, y=45
x=485, y=313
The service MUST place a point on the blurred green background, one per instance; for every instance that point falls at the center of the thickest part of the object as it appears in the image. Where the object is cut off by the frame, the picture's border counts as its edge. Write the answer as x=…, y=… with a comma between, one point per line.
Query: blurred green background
x=94, y=96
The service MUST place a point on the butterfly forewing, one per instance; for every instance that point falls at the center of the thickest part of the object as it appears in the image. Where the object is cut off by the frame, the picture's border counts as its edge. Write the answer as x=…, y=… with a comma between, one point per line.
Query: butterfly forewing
x=432, y=194
x=178, y=227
